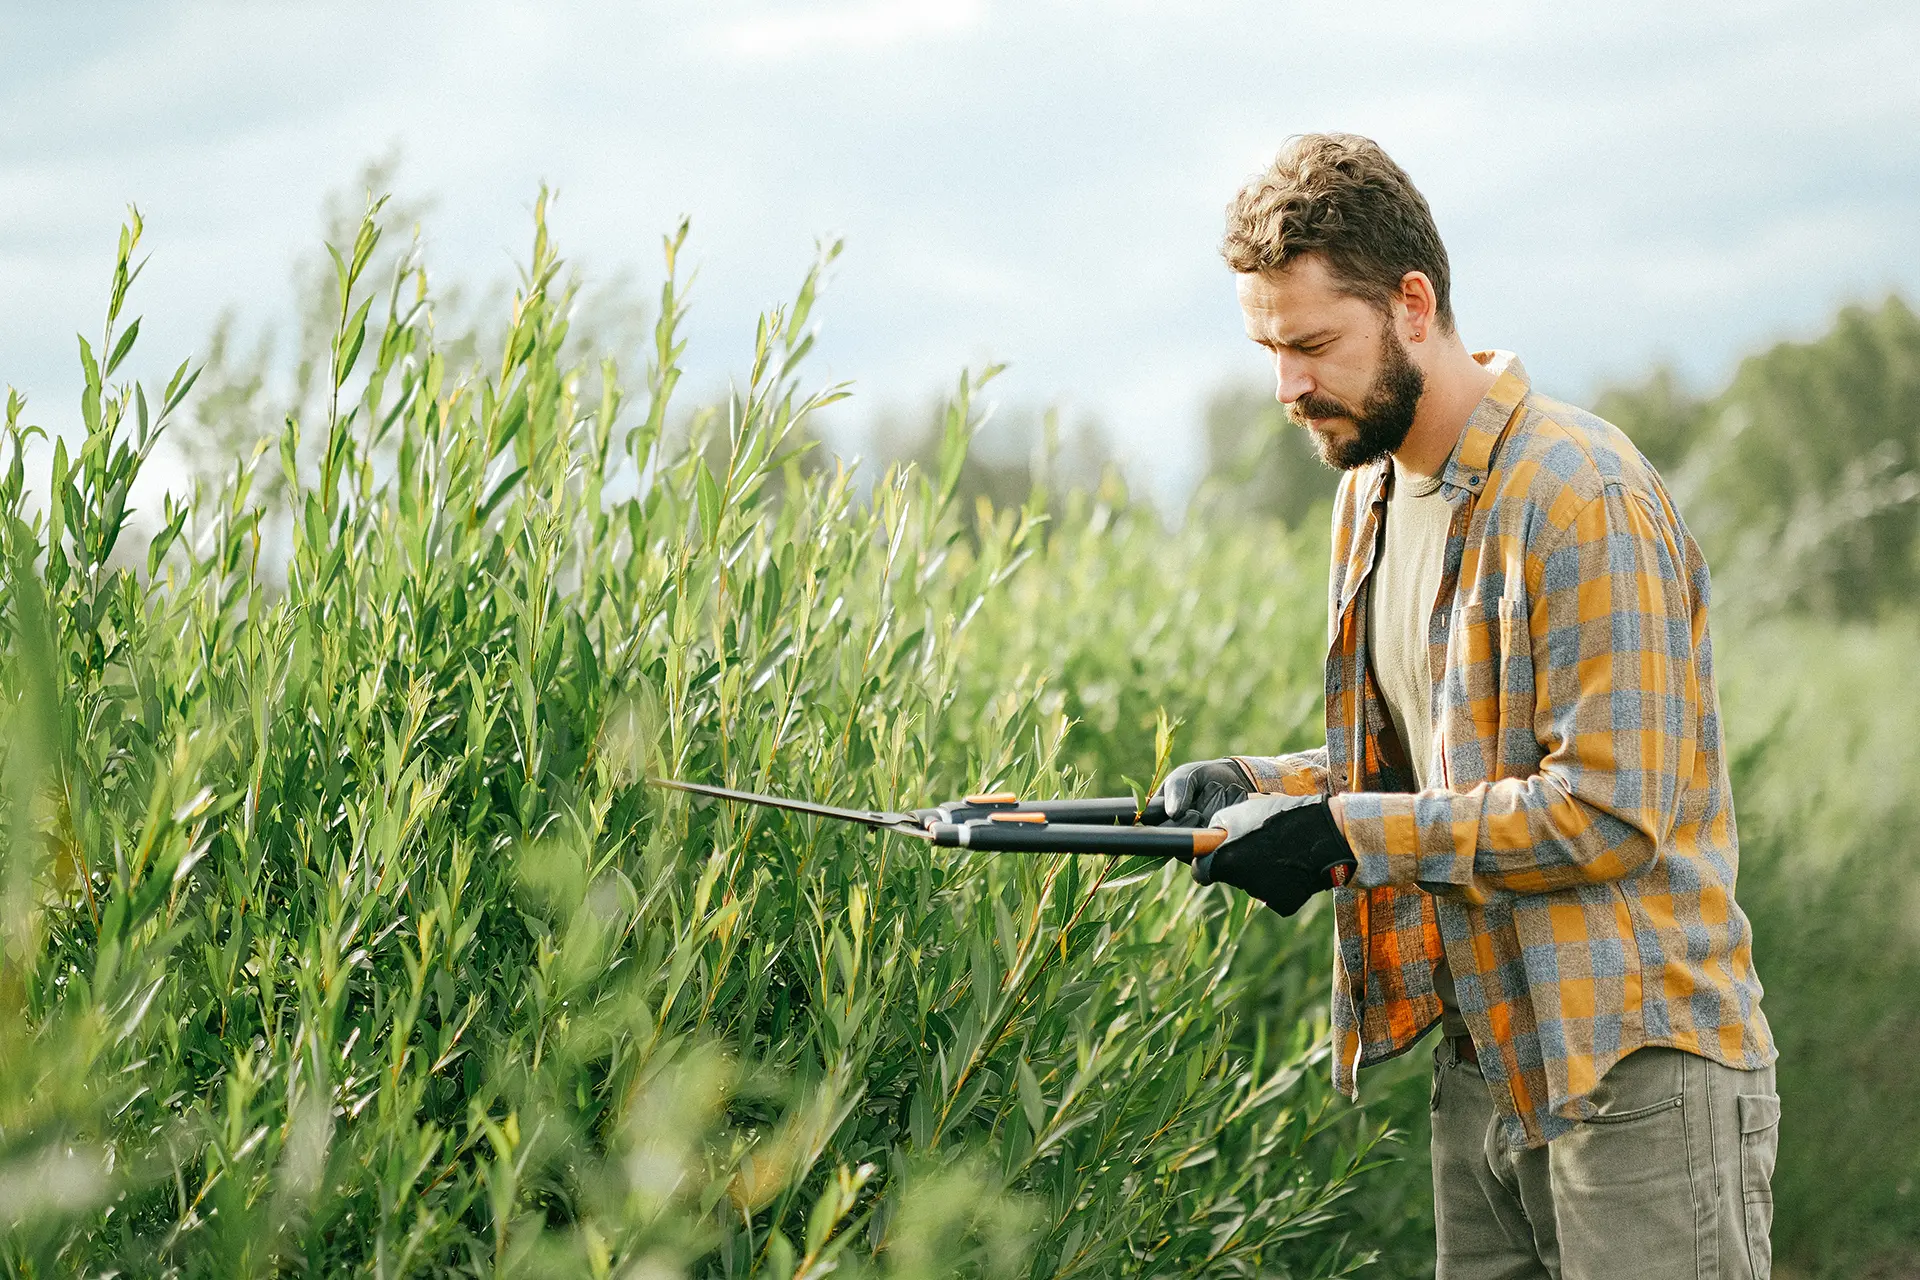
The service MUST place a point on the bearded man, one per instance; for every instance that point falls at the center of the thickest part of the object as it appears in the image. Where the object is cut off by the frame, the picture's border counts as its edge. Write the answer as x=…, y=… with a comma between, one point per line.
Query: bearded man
x=1522, y=809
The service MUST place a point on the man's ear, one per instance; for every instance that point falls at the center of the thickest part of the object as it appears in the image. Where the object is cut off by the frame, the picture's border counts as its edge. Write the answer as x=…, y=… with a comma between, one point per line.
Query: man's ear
x=1419, y=306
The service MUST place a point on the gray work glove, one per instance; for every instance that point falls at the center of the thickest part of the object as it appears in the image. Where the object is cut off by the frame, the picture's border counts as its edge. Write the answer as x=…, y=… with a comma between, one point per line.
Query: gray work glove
x=1280, y=849
x=1198, y=789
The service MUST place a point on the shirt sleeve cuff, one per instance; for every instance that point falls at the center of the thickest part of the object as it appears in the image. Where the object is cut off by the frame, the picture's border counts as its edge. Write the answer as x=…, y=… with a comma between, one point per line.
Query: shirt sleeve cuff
x=1423, y=840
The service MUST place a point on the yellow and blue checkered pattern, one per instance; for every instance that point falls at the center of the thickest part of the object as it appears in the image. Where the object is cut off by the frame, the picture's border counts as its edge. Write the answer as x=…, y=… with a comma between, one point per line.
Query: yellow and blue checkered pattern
x=1575, y=858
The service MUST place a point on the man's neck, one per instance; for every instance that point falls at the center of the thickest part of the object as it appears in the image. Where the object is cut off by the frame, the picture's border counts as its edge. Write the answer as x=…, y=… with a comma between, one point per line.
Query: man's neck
x=1456, y=383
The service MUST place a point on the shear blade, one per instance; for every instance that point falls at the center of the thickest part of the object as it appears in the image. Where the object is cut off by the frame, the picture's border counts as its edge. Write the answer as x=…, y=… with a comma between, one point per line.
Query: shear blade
x=905, y=824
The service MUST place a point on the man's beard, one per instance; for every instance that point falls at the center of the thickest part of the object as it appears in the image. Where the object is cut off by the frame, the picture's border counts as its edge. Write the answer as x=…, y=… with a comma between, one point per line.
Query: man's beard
x=1380, y=424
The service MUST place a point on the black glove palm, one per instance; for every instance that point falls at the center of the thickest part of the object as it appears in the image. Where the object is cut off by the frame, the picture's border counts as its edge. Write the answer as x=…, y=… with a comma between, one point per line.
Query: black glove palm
x=1280, y=849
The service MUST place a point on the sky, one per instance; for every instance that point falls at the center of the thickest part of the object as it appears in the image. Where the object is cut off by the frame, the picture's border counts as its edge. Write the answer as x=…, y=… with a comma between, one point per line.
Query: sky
x=1037, y=183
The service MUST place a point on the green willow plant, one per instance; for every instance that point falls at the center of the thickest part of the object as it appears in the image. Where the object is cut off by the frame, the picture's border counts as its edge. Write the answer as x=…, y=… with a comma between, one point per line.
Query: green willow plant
x=342, y=935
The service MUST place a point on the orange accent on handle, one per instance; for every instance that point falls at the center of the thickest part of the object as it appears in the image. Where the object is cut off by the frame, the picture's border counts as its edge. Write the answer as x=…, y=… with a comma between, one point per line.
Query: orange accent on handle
x=1207, y=839
x=994, y=797
x=1039, y=818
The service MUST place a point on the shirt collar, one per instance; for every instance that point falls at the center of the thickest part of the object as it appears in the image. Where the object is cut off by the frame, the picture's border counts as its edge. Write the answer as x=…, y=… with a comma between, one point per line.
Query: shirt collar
x=1472, y=457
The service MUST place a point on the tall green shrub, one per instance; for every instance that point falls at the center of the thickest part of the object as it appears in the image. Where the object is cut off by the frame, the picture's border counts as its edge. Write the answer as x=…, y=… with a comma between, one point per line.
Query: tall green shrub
x=342, y=935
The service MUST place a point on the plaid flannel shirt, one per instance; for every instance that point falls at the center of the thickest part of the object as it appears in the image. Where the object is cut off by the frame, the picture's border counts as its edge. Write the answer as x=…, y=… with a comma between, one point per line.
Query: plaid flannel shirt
x=1575, y=858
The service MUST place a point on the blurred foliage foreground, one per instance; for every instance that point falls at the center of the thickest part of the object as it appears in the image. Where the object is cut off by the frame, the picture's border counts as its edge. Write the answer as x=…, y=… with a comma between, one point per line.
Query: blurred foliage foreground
x=339, y=935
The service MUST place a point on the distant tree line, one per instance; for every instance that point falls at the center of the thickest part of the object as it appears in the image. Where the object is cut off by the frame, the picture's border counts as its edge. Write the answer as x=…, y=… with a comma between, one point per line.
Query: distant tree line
x=1805, y=467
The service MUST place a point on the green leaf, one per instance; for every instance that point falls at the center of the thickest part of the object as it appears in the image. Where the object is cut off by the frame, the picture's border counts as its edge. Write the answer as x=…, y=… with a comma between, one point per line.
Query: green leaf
x=339, y=276
x=1031, y=1102
x=500, y=491
x=707, y=491
x=353, y=336
x=122, y=347
x=88, y=365
x=178, y=386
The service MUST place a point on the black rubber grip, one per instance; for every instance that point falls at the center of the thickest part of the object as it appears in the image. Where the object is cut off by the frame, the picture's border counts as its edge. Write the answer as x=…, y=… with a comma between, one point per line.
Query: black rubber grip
x=1118, y=810
x=1057, y=837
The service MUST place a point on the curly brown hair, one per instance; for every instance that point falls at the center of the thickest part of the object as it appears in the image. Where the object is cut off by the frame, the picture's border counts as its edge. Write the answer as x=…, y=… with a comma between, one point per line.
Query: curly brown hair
x=1339, y=195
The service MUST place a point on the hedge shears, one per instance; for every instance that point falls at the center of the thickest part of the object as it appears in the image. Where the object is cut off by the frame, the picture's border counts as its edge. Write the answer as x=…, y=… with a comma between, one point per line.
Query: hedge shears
x=1000, y=822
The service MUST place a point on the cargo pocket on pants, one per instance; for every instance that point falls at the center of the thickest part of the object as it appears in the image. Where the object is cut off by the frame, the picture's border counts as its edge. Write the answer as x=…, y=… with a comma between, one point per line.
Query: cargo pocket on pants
x=1759, y=1145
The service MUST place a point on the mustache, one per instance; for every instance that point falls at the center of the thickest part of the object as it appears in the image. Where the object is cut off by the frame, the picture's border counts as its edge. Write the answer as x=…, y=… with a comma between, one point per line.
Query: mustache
x=1308, y=407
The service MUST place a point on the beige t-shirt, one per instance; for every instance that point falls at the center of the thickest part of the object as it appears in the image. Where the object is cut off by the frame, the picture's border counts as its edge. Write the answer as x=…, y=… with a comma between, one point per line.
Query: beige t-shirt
x=1405, y=583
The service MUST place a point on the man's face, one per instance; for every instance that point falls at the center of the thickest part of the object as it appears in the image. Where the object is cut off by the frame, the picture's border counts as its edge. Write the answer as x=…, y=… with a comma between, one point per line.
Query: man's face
x=1340, y=368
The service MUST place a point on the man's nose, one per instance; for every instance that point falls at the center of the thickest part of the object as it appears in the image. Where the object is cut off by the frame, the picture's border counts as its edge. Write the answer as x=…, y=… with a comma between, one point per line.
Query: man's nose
x=1291, y=377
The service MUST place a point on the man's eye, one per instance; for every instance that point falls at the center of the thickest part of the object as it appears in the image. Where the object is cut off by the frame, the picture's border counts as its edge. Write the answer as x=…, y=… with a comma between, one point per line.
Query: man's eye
x=1312, y=350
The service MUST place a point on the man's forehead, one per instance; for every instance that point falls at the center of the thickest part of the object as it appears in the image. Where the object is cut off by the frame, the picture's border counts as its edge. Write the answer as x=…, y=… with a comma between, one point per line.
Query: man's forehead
x=1292, y=305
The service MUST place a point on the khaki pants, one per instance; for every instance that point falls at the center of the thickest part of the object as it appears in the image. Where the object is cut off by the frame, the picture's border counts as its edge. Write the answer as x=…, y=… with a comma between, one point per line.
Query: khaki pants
x=1671, y=1179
